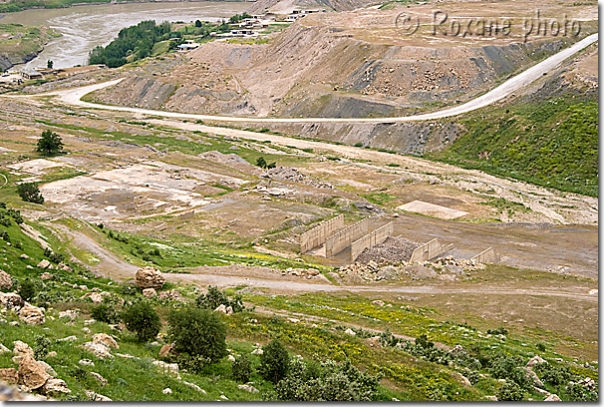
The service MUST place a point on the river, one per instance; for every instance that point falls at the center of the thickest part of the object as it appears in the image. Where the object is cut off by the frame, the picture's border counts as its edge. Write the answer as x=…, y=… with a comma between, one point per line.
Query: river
x=85, y=27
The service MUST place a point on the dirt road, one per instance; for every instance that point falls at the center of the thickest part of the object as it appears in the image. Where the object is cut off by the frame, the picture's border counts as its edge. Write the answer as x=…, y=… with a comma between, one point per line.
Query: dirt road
x=73, y=96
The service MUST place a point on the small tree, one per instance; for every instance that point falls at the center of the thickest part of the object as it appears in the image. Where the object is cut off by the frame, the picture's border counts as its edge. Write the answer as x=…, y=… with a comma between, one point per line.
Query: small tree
x=29, y=192
x=274, y=361
x=50, y=143
x=27, y=289
x=49, y=64
x=197, y=23
x=261, y=162
x=142, y=319
x=242, y=369
x=214, y=297
x=105, y=312
x=198, y=331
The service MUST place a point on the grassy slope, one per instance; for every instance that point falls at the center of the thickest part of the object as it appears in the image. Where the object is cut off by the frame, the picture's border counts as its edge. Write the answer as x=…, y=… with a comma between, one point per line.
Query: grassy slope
x=26, y=41
x=553, y=144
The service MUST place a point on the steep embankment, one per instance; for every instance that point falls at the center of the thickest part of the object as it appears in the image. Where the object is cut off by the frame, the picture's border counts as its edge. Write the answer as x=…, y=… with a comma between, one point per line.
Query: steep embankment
x=19, y=44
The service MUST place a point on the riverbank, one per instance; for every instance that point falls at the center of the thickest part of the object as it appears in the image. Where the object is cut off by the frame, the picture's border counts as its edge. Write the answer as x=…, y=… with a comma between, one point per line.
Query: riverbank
x=22, y=5
x=21, y=44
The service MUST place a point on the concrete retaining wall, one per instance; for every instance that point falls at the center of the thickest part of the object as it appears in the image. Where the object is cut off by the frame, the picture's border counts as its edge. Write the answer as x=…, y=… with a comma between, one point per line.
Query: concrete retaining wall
x=317, y=235
x=376, y=237
x=427, y=251
x=342, y=239
x=486, y=256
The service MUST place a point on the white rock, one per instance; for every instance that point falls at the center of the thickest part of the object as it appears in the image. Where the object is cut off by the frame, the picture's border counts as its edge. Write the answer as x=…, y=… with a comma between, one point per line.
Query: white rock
x=70, y=314
x=100, y=350
x=44, y=264
x=167, y=390
x=194, y=386
x=552, y=397
x=247, y=387
x=258, y=351
x=350, y=332
x=99, y=378
x=86, y=362
x=231, y=358
x=68, y=339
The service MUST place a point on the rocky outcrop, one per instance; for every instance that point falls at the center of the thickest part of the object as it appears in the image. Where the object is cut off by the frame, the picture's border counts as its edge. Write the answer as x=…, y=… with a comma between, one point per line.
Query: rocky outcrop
x=12, y=393
x=21, y=349
x=44, y=264
x=552, y=397
x=167, y=351
x=31, y=315
x=149, y=293
x=102, y=381
x=535, y=360
x=100, y=350
x=149, y=277
x=95, y=396
x=5, y=281
x=9, y=375
x=105, y=340
x=31, y=374
x=54, y=387
x=11, y=301
x=248, y=387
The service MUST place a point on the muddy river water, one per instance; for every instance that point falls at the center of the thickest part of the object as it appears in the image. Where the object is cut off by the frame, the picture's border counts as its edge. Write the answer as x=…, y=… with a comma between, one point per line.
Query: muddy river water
x=85, y=27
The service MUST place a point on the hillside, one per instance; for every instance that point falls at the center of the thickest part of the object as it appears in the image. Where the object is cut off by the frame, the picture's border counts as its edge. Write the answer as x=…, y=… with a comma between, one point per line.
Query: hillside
x=20, y=44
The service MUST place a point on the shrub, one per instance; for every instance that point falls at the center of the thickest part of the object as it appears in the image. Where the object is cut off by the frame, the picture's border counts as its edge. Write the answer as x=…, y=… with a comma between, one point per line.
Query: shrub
x=41, y=346
x=509, y=368
x=198, y=332
x=29, y=192
x=56, y=257
x=540, y=346
x=242, y=369
x=261, y=162
x=274, y=361
x=128, y=289
x=510, y=391
x=105, y=312
x=553, y=375
x=499, y=331
x=50, y=143
x=327, y=381
x=194, y=363
x=577, y=392
x=5, y=236
x=142, y=319
x=214, y=297
x=27, y=289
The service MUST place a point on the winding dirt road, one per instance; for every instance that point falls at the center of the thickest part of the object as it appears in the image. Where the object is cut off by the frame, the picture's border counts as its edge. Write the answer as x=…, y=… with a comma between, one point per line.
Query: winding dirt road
x=73, y=96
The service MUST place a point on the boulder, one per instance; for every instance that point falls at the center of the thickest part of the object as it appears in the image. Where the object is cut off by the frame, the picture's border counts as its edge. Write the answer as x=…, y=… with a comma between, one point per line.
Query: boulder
x=31, y=315
x=12, y=393
x=532, y=377
x=379, y=303
x=231, y=358
x=5, y=281
x=100, y=350
x=86, y=362
x=47, y=368
x=106, y=340
x=65, y=267
x=149, y=277
x=229, y=310
x=535, y=360
x=169, y=367
x=312, y=272
x=221, y=308
x=9, y=375
x=24, y=256
x=54, y=386
x=44, y=264
x=11, y=301
x=31, y=374
x=3, y=349
x=194, y=386
x=350, y=332
x=95, y=396
x=71, y=338
x=52, y=354
x=170, y=295
x=102, y=381
x=552, y=397
x=258, y=351
x=166, y=351
x=149, y=292
x=492, y=398
x=96, y=298
x=46, y=276
x=248, y=387
x=167, y=390
x=20, y=349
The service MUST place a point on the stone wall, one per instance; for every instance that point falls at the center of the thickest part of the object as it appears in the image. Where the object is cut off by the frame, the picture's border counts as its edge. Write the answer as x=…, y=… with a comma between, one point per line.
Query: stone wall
x=427, y=251
x=344, y=238
x=376, y=237
x=317, y=235
x=486, y=256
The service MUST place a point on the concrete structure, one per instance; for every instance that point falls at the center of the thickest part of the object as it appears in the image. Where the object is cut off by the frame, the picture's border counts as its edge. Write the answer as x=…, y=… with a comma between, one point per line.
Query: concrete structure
x=428, y=251
x=344, y=238
x=369, y=240
x=486, y=256
x=319, y=234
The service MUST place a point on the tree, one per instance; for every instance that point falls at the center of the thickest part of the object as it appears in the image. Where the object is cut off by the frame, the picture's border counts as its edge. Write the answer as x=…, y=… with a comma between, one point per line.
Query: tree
x=49, y=64
x=214, y=297
x=197, y=23
x=27, y=289
x=142, y=319
x=29, y=192
x=198, y=332
x=261, y=162
x=105, y=312
x=274, y=361
x=510, y=391
x=50, y=143
x=242, y=369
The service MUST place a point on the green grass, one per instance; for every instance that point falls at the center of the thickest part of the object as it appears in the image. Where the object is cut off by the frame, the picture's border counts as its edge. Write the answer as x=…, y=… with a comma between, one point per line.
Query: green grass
x=379, y=198
x=553, y=144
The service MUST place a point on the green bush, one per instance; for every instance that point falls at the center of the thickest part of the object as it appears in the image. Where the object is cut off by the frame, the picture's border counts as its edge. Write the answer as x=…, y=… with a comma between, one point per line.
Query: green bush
x=50, y=143
x=242, y=369
x=41, y=346
x=142, y=319
x=215, y=297
x=328, y=381
x=510, y=391
x=510, y=368
x=198, y=332
x=193, y=363
x=29, y=192
x=553, y=375
x=27, y=289
x=577, y=392
x=105, y=312
x=274, y=361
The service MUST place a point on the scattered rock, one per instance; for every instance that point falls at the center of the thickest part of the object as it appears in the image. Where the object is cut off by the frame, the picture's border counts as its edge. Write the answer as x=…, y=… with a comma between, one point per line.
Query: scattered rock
x=65, y=267
x=552, y=397
x=350, y=332
x=12, y=393
x=170, y=295
x=51, y=354
x=222, y=396
x=100, y=350
x=21, y=349
x=194, y=386
x=47, y=368
x=68, y=339
x=86, y=330
x=379, y=303
x=149, y=277
x=24, y=256
x=86, y=362
x=46, y=276
x=95, y=396
x=31, y=374
x=231, y=358
x=248, y=387
x=70, y=313
x=535, y=360
x=3, y=349
x=31, y=315
x=44, y=264
x=5, y=281
x=532, y=376
x=149, y=292
x=258, y=351
x=492, y=398
x=54, y=386
x=11, y=301
x=169, y=367
x=167, y=390
x=167, y=350
x=224, y=309
x=89, y=322
x=9, y=375
x=106, y=340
